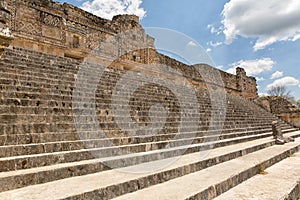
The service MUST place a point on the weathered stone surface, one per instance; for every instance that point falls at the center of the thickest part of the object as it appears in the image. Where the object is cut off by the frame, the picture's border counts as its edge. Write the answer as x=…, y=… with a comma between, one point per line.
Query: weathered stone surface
x=36, y=106
x=281, y=108
x=277, y=134
x=5, y=33
x=292, y=117
x=281, y=182
x=41, y=140
x=275, y=105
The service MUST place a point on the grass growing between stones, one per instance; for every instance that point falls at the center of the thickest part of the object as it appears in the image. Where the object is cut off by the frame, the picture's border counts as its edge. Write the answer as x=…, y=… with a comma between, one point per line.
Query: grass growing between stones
x=291, y=155
x=261, y=170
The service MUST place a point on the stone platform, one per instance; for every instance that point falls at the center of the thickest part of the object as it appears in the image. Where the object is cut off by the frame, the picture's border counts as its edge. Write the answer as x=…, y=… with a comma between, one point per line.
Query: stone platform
x=45, y=154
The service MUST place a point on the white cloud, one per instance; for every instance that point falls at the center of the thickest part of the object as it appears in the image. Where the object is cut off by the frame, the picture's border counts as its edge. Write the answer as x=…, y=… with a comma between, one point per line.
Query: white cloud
x=219, y=66
x=212, y=28
x=277, y=74
x=285, y=81
x=192, y=43
x=260, y=78
x=214, y=44
x=109, y=8
x=263, y=94
x=253, y=67
x=296, y=38
x=269, y=21
x=208, y=50
x=215, y=30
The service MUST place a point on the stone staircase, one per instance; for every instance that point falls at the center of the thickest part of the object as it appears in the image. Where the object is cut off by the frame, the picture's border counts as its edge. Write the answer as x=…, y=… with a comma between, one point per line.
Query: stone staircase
x=46, y=154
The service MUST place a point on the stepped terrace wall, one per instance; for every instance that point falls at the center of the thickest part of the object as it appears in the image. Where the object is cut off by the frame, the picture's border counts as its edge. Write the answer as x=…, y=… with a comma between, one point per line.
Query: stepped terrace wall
x=37, y=93
x=42, y=139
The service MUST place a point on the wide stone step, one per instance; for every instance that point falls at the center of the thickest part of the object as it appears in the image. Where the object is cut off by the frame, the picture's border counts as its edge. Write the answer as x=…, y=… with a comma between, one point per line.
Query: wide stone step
x=202, y=108
x=154, y=151
x=213, y=181
x=19, y=105
x=113, y=183
x=15, y=118
x=18, y=139
x=50, y=147
x=25, y=107
x=57, y=117
x=44, y=128
x=280, y=181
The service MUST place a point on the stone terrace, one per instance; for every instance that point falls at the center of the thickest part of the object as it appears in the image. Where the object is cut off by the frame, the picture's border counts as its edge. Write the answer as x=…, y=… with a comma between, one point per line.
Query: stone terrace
x=44, y=154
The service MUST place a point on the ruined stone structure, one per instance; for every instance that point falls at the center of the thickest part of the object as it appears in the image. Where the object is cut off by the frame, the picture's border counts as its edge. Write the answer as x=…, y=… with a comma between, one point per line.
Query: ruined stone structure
x=292, y=117
x=277, y=134
x=5, y=34
x=282, y=108
x=64, y=30
x=123, y=121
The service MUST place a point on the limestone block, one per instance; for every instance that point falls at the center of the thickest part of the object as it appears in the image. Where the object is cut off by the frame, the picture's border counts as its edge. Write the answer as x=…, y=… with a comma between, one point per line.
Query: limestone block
x=277, y=134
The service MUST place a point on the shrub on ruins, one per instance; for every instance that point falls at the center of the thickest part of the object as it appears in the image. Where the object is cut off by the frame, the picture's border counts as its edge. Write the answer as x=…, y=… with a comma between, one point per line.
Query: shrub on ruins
x=281, y=91
x=298, y=104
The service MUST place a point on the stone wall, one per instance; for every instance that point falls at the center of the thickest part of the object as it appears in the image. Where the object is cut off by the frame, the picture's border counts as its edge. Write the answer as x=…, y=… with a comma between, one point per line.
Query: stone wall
x=246, y=85
x=281, y=107
x=67, y=31
x=5, y=34
x=292, y=117
x=64, y=30
x=231, y=83
x=275, y=104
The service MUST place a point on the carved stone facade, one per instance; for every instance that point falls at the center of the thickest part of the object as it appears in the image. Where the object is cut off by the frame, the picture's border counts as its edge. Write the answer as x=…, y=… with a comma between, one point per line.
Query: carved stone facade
x=62, y=29
x=5, y=34
x=67, y=31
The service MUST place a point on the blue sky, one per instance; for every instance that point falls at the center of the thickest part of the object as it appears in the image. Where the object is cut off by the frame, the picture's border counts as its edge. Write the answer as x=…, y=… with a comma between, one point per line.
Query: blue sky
x=262, y=36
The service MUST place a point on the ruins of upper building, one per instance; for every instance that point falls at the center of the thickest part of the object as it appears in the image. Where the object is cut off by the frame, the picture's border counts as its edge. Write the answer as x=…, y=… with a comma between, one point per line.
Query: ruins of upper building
x=67, y=31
